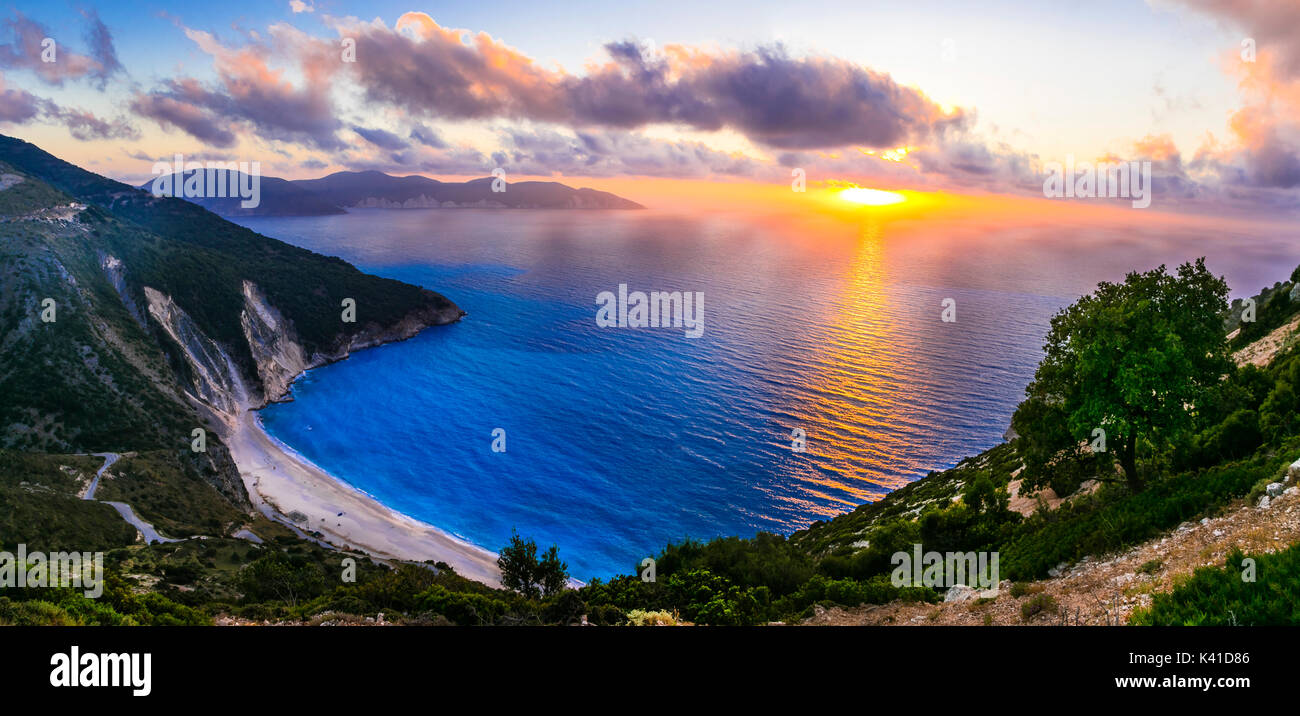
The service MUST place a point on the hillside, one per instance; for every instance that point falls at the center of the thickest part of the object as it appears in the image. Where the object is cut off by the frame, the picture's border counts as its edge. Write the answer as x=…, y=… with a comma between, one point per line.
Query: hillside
x=169, y=317
x=373, y=189
x=127, y=321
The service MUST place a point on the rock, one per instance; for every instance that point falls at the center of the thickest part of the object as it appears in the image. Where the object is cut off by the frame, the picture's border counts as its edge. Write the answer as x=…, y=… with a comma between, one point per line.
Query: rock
x=1291, y=490
x=1205, y=521
x=1273, y=489
x=1056, y=571
x=1184, y=527
x=1293, y=471
x=959, y=593
x=1218, y=533
x=989, y=593
x=1295, y=292
x=1264, y=502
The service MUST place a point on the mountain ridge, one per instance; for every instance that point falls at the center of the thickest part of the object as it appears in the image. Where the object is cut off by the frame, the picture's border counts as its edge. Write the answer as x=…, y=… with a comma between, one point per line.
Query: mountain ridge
x=336, y=193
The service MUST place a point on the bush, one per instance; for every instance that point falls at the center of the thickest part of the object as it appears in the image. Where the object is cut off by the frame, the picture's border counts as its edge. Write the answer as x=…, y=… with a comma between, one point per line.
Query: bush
x=1039, y=604
x=1221, y=596
x=637, y=617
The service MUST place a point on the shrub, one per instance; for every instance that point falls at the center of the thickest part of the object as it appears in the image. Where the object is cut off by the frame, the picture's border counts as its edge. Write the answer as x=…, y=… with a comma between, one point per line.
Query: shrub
x=1221, y=596
x=637, y=617
x=1039, y=604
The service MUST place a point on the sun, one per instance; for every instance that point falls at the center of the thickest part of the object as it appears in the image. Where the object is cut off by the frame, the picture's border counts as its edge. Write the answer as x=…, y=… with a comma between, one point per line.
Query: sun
x=870, y=197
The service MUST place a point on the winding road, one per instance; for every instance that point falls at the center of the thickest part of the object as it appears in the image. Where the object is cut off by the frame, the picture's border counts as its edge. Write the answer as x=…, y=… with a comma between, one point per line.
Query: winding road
x=147, y=530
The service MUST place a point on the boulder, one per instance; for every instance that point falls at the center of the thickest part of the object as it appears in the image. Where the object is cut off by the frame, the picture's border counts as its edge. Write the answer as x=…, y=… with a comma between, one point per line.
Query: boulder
x=959, y=593
x=1273, y=489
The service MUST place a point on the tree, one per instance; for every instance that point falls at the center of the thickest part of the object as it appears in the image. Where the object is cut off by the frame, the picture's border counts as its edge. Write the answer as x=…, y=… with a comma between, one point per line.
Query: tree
x=523, y=572
x=277, y=576
x=1131, y=360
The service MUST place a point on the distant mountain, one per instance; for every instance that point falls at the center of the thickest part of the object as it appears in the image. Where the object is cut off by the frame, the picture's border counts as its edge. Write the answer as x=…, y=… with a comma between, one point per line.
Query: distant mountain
x=278, y=196
x=337, y=192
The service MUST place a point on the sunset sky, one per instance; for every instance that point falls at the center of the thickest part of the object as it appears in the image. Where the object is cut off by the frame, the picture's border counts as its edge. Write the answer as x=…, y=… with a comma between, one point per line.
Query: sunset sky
x=953, y=96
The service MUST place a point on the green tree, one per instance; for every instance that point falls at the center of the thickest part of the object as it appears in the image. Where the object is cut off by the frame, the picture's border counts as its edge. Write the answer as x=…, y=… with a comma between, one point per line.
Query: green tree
x=277, y=576
x=1132, y=359
x=522, y=571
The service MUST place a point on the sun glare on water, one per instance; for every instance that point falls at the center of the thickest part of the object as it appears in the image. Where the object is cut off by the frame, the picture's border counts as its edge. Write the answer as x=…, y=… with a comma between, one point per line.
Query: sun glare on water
x=870, y=197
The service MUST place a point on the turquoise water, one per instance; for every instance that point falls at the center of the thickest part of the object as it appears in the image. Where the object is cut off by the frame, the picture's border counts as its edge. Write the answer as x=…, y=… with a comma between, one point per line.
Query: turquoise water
x=618, y=440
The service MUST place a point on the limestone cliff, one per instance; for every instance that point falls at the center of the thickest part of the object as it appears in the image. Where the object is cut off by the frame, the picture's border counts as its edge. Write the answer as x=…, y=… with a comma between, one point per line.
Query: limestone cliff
x=279, y=357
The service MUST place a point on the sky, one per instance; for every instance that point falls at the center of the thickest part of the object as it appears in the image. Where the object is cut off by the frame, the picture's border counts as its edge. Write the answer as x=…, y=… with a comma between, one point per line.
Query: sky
x=918, y=95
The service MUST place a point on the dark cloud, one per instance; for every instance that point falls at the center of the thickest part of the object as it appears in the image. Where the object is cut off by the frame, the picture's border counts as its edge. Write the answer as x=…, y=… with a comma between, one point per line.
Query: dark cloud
x=171, y=110
x=19, y=106
x=100, y=41
x=381, y=138
x=772, y=98
x=428, y=137
x=86, y=126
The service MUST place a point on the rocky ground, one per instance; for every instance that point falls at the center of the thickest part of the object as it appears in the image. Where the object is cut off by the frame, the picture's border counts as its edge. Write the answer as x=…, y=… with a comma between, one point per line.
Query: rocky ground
x=1106, y=590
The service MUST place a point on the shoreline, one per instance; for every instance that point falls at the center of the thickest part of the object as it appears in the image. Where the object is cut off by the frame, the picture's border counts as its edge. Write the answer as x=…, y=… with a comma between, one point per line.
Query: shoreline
x=278, y=478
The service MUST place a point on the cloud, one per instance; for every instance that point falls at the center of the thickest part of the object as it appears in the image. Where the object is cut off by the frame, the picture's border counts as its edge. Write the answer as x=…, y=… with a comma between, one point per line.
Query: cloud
x=18, y=105
x=171, y=108
x=102, y=49
x=1263, y=155
x=381, y=138
x=772, y=98
x=428, y=137
x=544, y=152
x=27, y=45
x=298, y=6
x=1273, y=24
x=249, y=93
x=86, y=126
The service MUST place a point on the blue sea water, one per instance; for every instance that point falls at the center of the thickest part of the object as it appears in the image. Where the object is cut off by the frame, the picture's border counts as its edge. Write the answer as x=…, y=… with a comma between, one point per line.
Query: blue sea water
x=619, y=440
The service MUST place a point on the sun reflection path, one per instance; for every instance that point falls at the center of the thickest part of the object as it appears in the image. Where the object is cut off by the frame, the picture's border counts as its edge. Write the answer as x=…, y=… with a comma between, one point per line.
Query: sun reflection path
x=855, y=385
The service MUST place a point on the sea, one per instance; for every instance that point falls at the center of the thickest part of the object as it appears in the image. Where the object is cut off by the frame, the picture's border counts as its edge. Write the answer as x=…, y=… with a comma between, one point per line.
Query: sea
x=839, y=358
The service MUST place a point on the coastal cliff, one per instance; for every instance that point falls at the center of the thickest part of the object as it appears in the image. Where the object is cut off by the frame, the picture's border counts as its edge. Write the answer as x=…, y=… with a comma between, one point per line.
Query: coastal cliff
x=272, y=339
x=130, y=320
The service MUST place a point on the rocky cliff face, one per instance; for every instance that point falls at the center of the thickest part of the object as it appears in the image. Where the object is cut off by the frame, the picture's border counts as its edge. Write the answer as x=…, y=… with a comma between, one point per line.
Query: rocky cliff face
x=274, y=344
x=278, y=355
x=216, y=381
x=116, y=273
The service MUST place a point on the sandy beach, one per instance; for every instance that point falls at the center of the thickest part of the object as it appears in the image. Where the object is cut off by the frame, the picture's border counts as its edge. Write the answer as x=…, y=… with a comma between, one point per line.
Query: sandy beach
x=278, y=478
